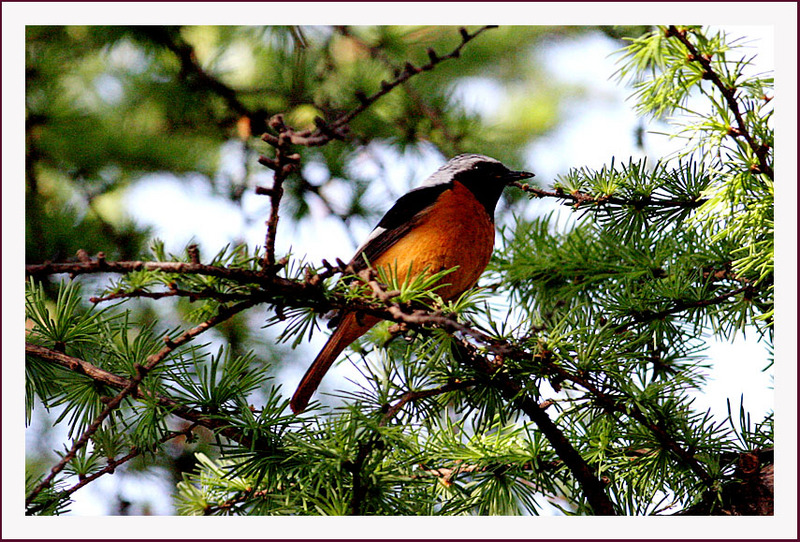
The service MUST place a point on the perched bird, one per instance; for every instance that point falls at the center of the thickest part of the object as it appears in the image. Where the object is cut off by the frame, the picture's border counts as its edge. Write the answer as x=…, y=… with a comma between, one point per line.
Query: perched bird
x=447, y=221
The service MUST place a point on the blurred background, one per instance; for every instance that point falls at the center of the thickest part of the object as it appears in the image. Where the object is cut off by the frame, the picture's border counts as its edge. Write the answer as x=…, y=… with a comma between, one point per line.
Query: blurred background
x=142, y=132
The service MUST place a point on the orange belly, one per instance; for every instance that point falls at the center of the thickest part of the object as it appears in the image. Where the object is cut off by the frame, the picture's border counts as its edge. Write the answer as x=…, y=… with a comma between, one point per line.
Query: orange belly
x=456, y=231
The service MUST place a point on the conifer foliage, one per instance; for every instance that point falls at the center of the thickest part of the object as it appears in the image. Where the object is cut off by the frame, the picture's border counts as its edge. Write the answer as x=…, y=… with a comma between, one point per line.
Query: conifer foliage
x=562, y=382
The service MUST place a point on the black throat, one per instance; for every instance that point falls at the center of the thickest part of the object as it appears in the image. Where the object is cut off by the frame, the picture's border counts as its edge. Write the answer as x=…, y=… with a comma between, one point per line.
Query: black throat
x=487, y=190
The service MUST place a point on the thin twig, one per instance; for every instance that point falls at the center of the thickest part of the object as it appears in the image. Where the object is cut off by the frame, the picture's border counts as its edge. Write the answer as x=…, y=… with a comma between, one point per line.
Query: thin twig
x=410, y=71
x=681, y=306
x=446, y=475
x=582, y=198
x=283, y=164
x=325, y=132
x=174, y=292
x=110, y=467
x=434, y=114
x=411, y=396
x=241, y=276
x=101, y=265
x=242, y=497
x=729, y=93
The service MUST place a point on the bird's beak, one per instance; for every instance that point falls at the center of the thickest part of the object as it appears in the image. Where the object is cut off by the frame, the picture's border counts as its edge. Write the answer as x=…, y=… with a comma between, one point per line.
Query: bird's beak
x=513, y=176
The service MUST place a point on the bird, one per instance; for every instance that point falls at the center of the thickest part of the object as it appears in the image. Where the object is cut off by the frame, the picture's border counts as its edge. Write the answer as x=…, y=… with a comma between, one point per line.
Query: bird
x=444, y=223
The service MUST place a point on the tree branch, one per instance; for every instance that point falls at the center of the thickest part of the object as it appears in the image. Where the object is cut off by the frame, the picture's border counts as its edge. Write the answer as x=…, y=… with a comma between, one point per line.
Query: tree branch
x=582, y=198
x=434, y=114
x=283, y=164
x=310, y=293
x=325, y=132
x=512, y=391
x=132, y=387
x=680, y=306
x=729, y=93
x=119, y=382
x=238, y=275
x=110, y=467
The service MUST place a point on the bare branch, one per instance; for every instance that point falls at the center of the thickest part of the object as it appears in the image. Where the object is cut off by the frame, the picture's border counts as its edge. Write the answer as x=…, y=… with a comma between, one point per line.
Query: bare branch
x=283, y=164
x=408, y=72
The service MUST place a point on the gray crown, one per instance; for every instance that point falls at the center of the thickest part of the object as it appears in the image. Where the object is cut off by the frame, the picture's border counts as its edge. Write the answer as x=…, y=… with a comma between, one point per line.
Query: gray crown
x=459, y=163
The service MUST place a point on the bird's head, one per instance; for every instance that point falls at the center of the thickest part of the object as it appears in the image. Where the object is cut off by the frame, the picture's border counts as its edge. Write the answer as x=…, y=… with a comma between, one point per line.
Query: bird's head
x=485, y=177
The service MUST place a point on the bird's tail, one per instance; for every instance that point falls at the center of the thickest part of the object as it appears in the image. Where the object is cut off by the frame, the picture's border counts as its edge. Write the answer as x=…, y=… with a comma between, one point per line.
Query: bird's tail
x=350, y=328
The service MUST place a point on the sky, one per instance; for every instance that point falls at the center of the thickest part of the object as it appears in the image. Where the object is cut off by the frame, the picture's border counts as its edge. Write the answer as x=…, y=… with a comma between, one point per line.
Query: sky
x=576, y=144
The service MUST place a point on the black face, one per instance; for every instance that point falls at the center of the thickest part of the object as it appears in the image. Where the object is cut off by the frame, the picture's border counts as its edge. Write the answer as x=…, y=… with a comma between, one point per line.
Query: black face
x=487, y=180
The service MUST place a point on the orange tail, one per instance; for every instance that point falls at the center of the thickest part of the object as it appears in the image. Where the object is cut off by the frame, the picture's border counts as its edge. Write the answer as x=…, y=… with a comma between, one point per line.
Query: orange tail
x=349, y=330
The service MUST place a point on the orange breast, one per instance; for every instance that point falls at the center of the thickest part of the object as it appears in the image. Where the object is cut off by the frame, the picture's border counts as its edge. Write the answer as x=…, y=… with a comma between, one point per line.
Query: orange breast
x=455, y=231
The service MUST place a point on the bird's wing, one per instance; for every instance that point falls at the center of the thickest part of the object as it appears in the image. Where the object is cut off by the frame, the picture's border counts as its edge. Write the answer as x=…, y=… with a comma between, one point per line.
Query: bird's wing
x=397, y=222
